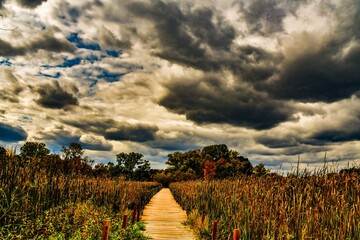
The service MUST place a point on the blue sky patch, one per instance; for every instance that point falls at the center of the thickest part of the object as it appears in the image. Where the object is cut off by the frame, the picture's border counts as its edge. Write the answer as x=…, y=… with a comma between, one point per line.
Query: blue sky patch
x=9, y=133
x=74, y=38
x=70, y=62
x=6, y=62
x=113, y=53
x=108, y=76
x=93, y=58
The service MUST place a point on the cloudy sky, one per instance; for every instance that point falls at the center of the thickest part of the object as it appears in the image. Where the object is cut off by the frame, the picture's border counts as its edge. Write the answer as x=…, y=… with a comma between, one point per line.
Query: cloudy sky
x=272, y=79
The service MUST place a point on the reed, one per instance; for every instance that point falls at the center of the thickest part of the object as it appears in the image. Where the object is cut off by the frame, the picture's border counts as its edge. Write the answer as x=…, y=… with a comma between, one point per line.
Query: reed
x=320, y=206
x=28, y=192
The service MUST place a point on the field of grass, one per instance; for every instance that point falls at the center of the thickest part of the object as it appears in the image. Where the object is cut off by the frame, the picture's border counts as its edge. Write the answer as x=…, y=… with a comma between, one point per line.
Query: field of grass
x=37, y=201
x=42, y=203
x=274, y=207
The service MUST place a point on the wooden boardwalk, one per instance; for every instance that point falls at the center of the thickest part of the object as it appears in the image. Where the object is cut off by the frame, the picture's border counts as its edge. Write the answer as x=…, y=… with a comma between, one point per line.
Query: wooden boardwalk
x=163, y=218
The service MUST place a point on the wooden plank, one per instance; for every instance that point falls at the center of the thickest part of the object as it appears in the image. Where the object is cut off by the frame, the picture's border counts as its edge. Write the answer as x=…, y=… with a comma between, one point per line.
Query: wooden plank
x=106, y=230
x=164, y=217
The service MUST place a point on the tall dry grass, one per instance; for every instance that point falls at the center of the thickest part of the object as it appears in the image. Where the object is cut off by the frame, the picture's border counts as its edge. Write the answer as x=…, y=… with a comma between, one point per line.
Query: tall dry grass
x=28, y=191
x=273, y=207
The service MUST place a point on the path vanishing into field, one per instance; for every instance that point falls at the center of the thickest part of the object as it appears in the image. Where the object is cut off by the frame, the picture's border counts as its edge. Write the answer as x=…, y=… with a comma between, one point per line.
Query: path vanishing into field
x=163, y=218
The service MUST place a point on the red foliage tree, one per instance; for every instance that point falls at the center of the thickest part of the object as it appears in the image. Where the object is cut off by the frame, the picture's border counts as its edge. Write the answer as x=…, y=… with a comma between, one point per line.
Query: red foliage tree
x=209, y=170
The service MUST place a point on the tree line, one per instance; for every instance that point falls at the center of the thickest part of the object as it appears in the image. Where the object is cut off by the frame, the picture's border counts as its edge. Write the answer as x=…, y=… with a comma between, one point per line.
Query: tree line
x=211, y=162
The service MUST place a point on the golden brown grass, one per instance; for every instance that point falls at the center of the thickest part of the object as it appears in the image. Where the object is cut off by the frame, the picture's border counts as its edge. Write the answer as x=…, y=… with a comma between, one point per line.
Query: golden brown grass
x=274, y=207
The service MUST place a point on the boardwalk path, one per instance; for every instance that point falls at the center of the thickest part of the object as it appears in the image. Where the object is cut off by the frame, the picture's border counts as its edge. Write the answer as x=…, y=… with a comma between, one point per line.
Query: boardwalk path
x=163, y=218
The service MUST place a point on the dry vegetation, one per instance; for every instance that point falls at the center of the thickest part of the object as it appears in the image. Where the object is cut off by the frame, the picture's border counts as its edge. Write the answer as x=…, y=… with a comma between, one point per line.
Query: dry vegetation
x=322, y=206
x=42, y=203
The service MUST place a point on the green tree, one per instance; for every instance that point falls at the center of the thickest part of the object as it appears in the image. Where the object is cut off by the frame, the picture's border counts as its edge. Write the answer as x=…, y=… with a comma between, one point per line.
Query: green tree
x=100, y=170
x=33, y=151
x=216, y=161
x=114, y=170
x=129, y=163
x=175, y=160
x=260, y=170
x=75, y=162
x=190, y=162
x=142, y=172
x=164, y=178
x=74, y=151
x=215, y=152
x=228, y=162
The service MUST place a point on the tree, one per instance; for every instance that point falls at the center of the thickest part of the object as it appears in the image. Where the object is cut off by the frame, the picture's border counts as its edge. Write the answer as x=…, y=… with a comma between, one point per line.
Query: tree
x=75, y=151
x=190, y=162
x=129, y=163
x=241, y=165
x=260, y=170
x=215, y=152
x=164, y=178
x=175, y=160
x=33, y=151
x=209, y=170
x=75, y=162
x=100, y=170
x=142, y=172
x=214, y=161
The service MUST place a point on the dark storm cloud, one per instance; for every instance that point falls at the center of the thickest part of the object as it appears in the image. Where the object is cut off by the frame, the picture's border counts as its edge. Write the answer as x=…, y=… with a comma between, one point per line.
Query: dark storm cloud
x=45, y=42
x=328, y=73
x=30, y=3
x=10, y=133
x=184, y=36
x=316, y=140
x=176, y=44
x=93, y=124
x=356, y=26
x=277, y=141
x=135, y=133
x=253, y=64
x=209, y=100
x=51, y=44
x=304, y=149
x=53, y=96
x=203, y=40
x=334, y=136
x=313, y=76
x=318, y=76
x=323, y=137
x=218, y=36
x=113, y=130
x=6, y=49
x=59, y=136
x=264, y=16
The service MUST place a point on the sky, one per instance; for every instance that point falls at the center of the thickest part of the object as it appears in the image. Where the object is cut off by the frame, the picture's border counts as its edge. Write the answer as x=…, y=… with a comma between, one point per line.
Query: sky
x=271, y=79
